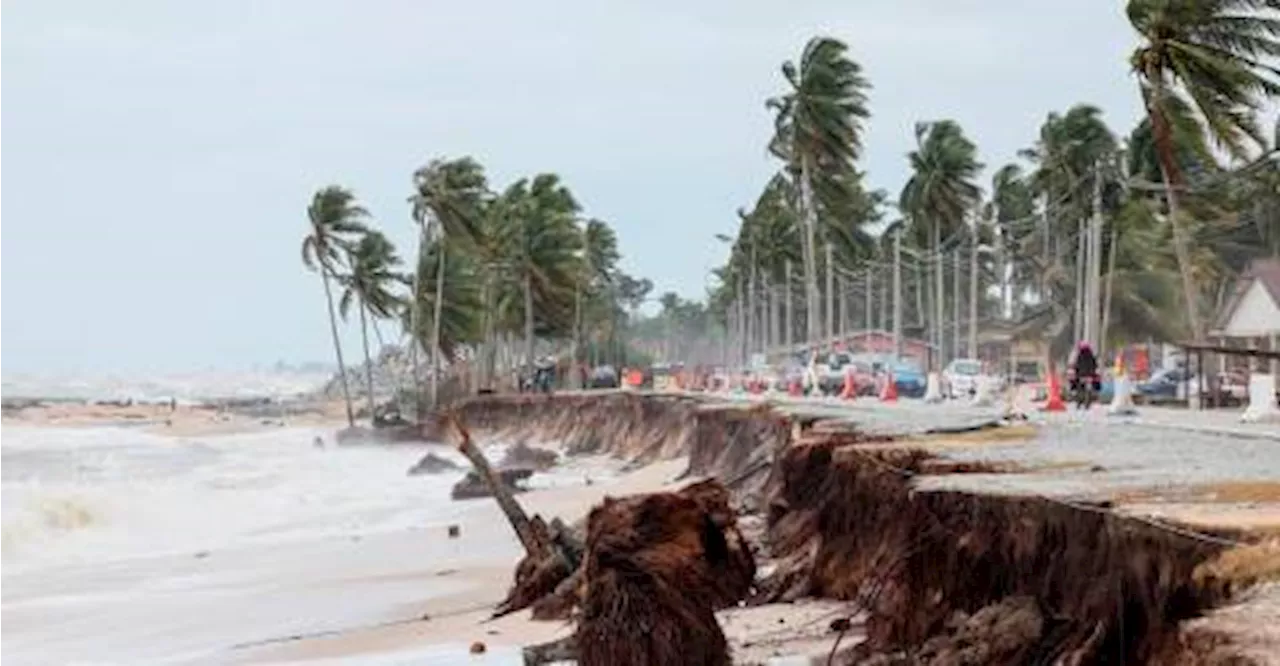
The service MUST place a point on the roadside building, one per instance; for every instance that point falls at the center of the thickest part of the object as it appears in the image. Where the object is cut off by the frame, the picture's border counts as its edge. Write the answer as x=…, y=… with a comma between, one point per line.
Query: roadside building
x=1250, y=317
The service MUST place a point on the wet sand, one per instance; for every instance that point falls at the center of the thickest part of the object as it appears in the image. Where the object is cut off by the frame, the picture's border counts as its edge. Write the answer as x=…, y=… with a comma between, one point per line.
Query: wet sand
x=182, y=421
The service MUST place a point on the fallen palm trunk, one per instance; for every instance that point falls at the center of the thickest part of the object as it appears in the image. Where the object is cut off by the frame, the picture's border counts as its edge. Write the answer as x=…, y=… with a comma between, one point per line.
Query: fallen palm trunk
x=656, y=569
x=552, y=553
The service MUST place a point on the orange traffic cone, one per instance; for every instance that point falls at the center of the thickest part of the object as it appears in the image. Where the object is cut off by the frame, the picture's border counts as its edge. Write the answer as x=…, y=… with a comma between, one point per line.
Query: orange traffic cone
x=890, y=391
x=1054, y=403
x=850, y=389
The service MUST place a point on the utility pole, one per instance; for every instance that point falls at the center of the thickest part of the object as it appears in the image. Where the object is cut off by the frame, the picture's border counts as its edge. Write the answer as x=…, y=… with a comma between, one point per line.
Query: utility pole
x=871, y=299
x=842, y=319
x=938, y=294
x=1082, y=260
x=956, y=271
x=973, y=293
x=753, y=305
x=788, y=326
x=1094, y=332
x=897, y=293
x=831, y=295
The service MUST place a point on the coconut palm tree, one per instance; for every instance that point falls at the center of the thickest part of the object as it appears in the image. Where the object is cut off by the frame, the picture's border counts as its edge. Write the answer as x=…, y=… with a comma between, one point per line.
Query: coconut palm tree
x=370, y=285
x=335, y=221
x=448, y=203
x=818, y=133
x=1205, y=69
x=596, y=274
x=540, y=242
x=940, y=192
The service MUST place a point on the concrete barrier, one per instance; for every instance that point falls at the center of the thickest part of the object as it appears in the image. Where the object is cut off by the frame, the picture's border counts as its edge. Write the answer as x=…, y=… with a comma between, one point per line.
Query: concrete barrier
x=933, y=388
x=1262, y=400
x=1122, y=398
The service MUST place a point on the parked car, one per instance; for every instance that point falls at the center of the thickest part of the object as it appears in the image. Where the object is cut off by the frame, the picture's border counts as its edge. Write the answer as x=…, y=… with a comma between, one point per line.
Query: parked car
x=961, y=377
x=1165, y=384
x=908, y=378
x=604, y=377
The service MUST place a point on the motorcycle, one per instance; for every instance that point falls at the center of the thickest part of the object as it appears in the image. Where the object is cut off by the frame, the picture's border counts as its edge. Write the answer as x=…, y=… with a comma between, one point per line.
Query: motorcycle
x=1084, y=390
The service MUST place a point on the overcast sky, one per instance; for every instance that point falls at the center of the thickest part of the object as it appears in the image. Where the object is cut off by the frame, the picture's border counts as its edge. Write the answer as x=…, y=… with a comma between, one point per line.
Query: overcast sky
x=158, y=155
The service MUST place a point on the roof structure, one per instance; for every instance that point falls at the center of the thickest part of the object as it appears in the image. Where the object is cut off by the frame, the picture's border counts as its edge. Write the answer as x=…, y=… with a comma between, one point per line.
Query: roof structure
x=1265, y=274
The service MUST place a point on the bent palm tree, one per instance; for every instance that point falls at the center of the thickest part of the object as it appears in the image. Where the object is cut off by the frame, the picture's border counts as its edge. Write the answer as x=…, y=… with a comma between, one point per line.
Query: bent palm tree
x=448, y=202
x=373, y=262
x=335, y=220
x=939, y=193
x=1209, y=56
x=818, y=127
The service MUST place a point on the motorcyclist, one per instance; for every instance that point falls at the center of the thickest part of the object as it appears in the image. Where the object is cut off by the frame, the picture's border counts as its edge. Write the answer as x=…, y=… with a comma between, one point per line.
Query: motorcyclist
x=1085, y=369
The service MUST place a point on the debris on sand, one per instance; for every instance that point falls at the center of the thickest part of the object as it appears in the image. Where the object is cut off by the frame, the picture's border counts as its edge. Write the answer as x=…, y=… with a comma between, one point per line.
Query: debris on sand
x=523, y=456
x=473, y=485
x=433, y=464
x=657, y=567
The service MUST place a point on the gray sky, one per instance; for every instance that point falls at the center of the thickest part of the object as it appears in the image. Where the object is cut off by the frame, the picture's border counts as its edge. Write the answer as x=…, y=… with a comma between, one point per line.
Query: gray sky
x=159, y=154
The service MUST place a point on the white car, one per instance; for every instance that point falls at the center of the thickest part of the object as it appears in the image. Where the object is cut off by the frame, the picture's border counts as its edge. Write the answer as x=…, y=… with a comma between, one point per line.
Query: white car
x=961, y=377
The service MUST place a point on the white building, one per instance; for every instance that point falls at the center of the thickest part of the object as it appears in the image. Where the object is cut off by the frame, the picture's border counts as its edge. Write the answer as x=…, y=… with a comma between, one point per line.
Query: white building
x=1251, y=317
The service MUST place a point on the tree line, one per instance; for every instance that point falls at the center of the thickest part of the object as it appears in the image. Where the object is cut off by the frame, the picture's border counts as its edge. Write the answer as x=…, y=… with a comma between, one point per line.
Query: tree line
x=1169, y=210
x=494, y=272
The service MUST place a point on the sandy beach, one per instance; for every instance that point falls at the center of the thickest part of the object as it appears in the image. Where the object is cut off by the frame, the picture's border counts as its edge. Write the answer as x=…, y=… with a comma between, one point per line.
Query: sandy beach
x=180, y=420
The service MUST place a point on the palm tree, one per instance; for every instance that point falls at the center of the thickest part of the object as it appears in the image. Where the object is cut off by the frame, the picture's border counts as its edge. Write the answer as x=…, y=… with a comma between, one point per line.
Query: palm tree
x=448, y=203
x=540, y=242
x=940, y=193
x=818, y=127
x=596, y=274
x=1012, y=205
x=1203, y=71
x=373, y=263
x=335, y=220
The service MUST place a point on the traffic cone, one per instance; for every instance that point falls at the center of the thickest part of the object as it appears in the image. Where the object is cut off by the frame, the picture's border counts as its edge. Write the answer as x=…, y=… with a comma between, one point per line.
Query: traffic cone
x=1054, y=403
x=850, y=389
x=890, y=391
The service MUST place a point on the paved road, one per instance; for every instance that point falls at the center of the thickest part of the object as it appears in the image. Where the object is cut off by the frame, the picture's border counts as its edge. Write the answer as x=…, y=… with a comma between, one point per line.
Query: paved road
x=1161, y=447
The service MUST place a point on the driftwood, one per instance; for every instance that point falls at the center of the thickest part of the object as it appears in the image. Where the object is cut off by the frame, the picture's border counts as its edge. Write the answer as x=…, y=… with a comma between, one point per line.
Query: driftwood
x=552, y=552
x=529, y=538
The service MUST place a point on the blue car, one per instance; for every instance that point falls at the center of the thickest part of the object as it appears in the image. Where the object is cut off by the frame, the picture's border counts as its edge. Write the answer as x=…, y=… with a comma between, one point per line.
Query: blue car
x=1164, y=384
x=910, y=381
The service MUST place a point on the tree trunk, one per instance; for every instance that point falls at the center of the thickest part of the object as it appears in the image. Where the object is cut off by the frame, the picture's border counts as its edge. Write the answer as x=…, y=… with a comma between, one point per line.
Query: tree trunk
x=368, y=360
x=789, y=314
x=831, y=293
x=810, y=258
x=938, y=293
x=515, y=514
x=436, y=323
x=415, y=326
x=337, y=345
x=972, y=350
x=1106, y=305
x=920, y=284
x=1173, y=179
x=528, y=318
x=955, y=304
x=489, y=368
x=574, y=376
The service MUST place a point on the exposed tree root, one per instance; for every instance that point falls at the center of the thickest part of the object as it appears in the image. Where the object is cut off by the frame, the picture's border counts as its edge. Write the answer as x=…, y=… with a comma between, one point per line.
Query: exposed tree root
x=657, y=567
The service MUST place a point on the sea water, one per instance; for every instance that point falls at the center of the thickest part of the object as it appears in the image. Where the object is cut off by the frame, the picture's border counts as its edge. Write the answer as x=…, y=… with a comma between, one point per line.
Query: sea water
x=123, y=547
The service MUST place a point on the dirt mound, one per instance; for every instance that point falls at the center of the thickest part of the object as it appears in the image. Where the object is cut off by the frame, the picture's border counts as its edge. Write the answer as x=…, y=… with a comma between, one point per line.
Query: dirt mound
x=656, y=569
